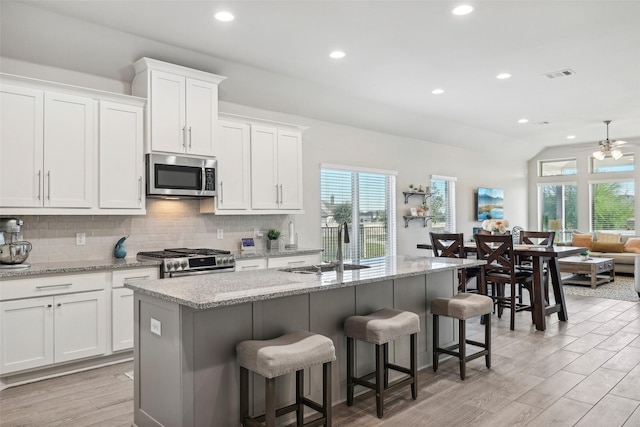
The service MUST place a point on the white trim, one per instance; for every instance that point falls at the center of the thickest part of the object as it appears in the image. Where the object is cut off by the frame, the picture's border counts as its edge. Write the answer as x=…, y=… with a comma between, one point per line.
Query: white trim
x=357, y=169
x=444, y=178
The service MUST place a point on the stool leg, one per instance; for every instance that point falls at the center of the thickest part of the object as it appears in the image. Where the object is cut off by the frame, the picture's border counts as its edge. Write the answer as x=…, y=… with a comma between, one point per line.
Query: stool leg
x=326, y=394
x=435, y=342
x=244, y=394
x=299, y=395
x=487, y=339
x=350, y=369
x=414, y=366
x=270, y=402
x=380, y=379
x=386, y=364
x=462, y=350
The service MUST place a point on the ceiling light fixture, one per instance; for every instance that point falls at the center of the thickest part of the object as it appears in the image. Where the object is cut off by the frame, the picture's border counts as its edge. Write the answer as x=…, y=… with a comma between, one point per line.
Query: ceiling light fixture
x=523, y=121
x=437, y=91
x=503, y=76
x=337, y=54
x=464, y=9
x=224, y=16
x=608, y=146
x=571, y=137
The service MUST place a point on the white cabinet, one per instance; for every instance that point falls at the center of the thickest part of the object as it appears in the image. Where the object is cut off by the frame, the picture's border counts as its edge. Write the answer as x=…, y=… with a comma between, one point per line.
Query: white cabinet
x=276, y=168
x=293, y=261
x=122, y=305
x=46, y=330
x=183, y=107
x=234, y=166
x=46, y=150
x=121, y=157
x=251, y=264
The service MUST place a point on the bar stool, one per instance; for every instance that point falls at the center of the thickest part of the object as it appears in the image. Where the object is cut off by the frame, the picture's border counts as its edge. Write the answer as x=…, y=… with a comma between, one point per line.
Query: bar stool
x=462, y=307
x=292, y=352
x=380, y=328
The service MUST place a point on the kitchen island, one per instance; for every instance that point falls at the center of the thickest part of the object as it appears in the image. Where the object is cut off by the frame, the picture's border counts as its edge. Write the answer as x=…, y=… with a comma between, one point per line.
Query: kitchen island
x=186, y=330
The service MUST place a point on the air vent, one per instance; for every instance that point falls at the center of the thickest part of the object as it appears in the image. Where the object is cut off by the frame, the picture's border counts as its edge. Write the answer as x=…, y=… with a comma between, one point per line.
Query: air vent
x=561, y=73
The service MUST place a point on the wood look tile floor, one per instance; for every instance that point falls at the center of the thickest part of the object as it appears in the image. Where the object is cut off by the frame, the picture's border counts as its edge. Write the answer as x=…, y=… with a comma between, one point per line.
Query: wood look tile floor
x=584, y=372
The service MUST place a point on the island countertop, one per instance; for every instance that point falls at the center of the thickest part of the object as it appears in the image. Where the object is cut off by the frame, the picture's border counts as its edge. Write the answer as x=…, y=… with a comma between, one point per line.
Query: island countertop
x=216, y=290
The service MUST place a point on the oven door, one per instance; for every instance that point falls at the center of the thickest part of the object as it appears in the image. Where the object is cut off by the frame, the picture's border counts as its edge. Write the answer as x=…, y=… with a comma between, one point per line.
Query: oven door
x=180, y=176
x=175, y=274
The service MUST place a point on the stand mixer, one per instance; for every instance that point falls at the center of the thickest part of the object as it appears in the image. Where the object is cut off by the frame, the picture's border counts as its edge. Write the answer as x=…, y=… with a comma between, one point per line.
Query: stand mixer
x=13, y=250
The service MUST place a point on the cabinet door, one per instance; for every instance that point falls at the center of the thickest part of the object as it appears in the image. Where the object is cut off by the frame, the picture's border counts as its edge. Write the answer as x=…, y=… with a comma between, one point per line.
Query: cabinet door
x=68, y=151
x=202, y=117
x=79, y=322
x=265, y=191
x=234, y=162
x=21, y=149
x=167, y=103
x=293, y=261
x=251, y=264
x=26, y=328
x=121, y=156
x=122, y=319
x=290, y=169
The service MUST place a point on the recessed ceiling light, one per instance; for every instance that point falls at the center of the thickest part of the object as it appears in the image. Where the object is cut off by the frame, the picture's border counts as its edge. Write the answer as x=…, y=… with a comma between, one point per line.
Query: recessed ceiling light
x=437, y=91
x=503, y=76
x=337, y=54
x=224, y=16
x=523, y=121
x=464, y=9
x=571, y=137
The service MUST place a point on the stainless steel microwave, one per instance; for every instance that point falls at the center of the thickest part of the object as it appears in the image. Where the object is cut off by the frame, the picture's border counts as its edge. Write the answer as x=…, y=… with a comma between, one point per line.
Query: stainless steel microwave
x=180, y=176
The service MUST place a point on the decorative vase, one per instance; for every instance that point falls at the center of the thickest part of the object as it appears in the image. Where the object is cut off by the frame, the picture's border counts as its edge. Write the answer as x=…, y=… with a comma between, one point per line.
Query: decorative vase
x=273, y=244
x=120, y=251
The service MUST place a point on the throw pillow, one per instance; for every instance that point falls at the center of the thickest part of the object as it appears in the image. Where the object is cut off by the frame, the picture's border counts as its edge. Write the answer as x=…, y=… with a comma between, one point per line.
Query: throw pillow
x=608, y=237
x=582, y=240
x=632, y=245
x=607, y=247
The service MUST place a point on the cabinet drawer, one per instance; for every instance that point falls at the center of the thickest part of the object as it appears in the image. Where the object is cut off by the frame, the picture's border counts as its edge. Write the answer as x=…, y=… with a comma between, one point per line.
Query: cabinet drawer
x=120, y=276
x=52, y=285
x=294, y=261
x=251, y=264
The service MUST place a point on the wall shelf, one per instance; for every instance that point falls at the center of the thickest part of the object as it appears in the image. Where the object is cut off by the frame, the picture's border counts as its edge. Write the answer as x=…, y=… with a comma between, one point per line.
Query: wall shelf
x=408, y=218
x=408, y=194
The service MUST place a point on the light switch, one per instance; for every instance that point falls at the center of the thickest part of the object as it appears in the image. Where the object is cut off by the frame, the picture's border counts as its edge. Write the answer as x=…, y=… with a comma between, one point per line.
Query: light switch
x=80, y=239
x=220, y=234
x=156, y=327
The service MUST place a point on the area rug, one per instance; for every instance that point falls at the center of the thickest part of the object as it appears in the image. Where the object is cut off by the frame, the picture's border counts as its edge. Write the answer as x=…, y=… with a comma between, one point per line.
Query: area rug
x=621, y=289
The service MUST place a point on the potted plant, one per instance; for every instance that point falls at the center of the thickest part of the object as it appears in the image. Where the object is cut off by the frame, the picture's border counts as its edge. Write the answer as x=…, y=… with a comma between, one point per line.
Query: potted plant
x=411, y=189
x=273, y=235
x=585, y=254
x=422, y=209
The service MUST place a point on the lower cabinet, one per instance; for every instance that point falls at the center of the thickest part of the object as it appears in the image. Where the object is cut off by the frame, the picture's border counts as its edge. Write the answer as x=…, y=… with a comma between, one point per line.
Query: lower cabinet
x=45, y=330
x=293, y=261
x=251, y=264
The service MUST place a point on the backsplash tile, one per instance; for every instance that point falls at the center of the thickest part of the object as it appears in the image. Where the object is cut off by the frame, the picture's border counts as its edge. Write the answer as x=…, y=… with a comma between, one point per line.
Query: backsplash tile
x=168, y=223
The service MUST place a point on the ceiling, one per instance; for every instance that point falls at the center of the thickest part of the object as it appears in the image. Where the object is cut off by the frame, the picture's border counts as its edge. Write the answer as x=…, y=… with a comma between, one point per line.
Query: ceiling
x=275, y=55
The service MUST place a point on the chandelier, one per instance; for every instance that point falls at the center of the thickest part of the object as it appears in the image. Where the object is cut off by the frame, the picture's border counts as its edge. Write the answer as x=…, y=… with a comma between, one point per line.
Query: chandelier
x=608, y=147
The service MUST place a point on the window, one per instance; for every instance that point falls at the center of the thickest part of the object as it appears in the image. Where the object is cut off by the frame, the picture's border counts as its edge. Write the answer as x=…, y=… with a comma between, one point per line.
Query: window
x=559, y=209
x=609, y=164
x=612, y=205
x=364, y=198
x=558, y=167
x=443, y=204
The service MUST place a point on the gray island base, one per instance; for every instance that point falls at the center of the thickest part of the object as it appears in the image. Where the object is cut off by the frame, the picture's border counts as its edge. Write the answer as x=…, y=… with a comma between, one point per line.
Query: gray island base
x=186, y=331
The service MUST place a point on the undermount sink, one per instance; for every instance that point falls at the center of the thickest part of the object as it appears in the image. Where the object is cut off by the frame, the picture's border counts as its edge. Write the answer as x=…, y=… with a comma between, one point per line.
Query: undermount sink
x=311, y=269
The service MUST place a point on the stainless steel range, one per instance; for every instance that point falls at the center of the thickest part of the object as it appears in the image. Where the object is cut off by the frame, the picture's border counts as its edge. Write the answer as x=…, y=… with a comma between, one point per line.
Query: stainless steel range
x=178, y=262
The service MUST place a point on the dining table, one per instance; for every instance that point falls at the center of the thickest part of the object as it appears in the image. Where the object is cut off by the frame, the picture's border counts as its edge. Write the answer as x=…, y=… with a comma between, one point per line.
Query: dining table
x=539, y=254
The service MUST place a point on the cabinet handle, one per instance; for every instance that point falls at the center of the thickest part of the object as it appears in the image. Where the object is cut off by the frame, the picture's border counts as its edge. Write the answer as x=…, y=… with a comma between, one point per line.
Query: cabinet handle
x=295, y=262
x=136, y=277
x=221, y=192
x=53, y=286
x=48, y=185
x=184, y=137
x=281, y=195
x=39, y=184
x=49, y=305
x=139, y=189
x=189, y=137
x=247, y=267
x=59, y=304
x=277, y=198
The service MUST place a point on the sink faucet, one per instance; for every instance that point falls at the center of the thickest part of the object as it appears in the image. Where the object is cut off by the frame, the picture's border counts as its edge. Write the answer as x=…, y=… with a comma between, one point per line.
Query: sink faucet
x=340, y=256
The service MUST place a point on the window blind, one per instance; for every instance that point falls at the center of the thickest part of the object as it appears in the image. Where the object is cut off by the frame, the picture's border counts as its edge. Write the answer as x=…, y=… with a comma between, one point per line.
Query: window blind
x=612, y=205
x=443, y=204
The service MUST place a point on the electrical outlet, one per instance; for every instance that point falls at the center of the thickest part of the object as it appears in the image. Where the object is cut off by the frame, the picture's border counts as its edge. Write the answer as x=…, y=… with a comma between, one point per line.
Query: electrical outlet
x=156, y=327
x=80, y=239
x=220, y=234
x=257, y=232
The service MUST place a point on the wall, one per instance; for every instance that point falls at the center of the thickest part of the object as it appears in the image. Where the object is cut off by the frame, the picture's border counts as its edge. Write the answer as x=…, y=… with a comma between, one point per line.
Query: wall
x=414, y=160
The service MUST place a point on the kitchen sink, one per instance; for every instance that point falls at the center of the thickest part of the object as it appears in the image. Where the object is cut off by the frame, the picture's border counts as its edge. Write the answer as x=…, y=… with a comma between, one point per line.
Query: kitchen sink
x=311, y=269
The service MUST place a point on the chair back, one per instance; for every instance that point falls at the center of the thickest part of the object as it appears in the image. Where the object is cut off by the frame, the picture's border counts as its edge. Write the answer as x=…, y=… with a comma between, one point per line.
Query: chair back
x=497, y=251
x=448, y=245
x=537, y=238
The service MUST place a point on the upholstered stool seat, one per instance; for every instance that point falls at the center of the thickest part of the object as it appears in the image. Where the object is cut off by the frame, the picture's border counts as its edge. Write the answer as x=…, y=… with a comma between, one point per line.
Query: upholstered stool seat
x=462, y=307
x=380, y=328
x=292, y=352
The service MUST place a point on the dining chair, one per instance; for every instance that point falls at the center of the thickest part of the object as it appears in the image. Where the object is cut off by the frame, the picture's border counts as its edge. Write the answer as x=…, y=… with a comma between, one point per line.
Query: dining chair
x=543, y=238
x=451, y=245
x=500, y=270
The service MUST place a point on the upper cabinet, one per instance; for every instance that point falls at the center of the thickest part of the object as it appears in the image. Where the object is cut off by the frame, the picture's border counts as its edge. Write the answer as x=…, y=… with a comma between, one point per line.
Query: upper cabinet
x=69, y=150
x=183, y=107
x=234, y=166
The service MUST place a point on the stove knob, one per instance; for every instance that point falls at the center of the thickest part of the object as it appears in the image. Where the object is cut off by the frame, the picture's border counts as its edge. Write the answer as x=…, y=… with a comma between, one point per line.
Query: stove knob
x=169, y=265
x=183, y=264
x=224, y=260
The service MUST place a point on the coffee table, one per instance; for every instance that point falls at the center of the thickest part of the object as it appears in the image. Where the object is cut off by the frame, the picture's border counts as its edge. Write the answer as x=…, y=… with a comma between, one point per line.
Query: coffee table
x=593, y=271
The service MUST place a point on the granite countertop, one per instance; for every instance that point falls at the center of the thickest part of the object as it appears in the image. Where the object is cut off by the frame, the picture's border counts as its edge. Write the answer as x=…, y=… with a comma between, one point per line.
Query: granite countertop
x=266, y=253
x=61, y=267
x=217, y=290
